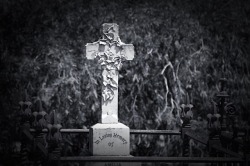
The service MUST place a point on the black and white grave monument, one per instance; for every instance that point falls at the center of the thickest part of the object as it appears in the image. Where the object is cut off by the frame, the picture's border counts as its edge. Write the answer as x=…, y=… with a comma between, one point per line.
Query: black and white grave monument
x=110, y=138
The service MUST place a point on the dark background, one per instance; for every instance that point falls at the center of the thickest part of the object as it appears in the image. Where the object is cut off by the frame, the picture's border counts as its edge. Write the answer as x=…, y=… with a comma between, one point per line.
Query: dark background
x=42, y=46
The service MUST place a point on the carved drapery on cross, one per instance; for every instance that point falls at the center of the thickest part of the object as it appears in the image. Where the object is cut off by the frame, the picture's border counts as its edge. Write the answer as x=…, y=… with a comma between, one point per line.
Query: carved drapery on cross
x=110, y=52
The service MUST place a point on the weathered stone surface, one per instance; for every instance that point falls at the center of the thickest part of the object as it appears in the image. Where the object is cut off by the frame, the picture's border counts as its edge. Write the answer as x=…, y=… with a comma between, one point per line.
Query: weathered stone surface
x=110, y=107
x=110, y=52
x=109, y=140
x=91, y=49
x=129, y=51
x=110, y=31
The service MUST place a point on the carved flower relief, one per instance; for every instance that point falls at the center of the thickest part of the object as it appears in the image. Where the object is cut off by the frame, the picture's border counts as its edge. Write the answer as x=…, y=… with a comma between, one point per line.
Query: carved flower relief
x=107, y=94
x=111, y=57
x=109, y=84
x=106, y=59
x=110, y=63
x=110, y=33
x=109, y=78
x=109, y=60
x=109, y=36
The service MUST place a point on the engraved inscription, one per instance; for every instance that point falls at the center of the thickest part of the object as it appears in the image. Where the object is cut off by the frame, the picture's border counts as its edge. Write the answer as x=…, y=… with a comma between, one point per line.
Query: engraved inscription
x=111, y=144
x=120, y=137
x=110, y=135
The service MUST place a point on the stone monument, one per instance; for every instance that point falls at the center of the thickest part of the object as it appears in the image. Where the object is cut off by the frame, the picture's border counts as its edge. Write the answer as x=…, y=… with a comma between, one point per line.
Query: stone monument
x=110, y=138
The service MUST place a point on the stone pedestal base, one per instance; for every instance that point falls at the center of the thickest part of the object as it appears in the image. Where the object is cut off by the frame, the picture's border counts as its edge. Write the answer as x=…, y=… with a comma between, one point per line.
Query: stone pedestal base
x=109, y=140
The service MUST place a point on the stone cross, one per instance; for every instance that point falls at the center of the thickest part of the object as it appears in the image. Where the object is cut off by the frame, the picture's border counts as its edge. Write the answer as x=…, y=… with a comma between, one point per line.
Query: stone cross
x=110, y=52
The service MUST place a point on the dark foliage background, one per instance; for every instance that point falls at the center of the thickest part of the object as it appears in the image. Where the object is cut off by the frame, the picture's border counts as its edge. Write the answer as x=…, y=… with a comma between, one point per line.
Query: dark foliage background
x=179, y=45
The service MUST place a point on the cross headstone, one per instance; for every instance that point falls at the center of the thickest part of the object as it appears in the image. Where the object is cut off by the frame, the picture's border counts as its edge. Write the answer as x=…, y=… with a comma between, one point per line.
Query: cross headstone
x=110, y=52
x=110, y=137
